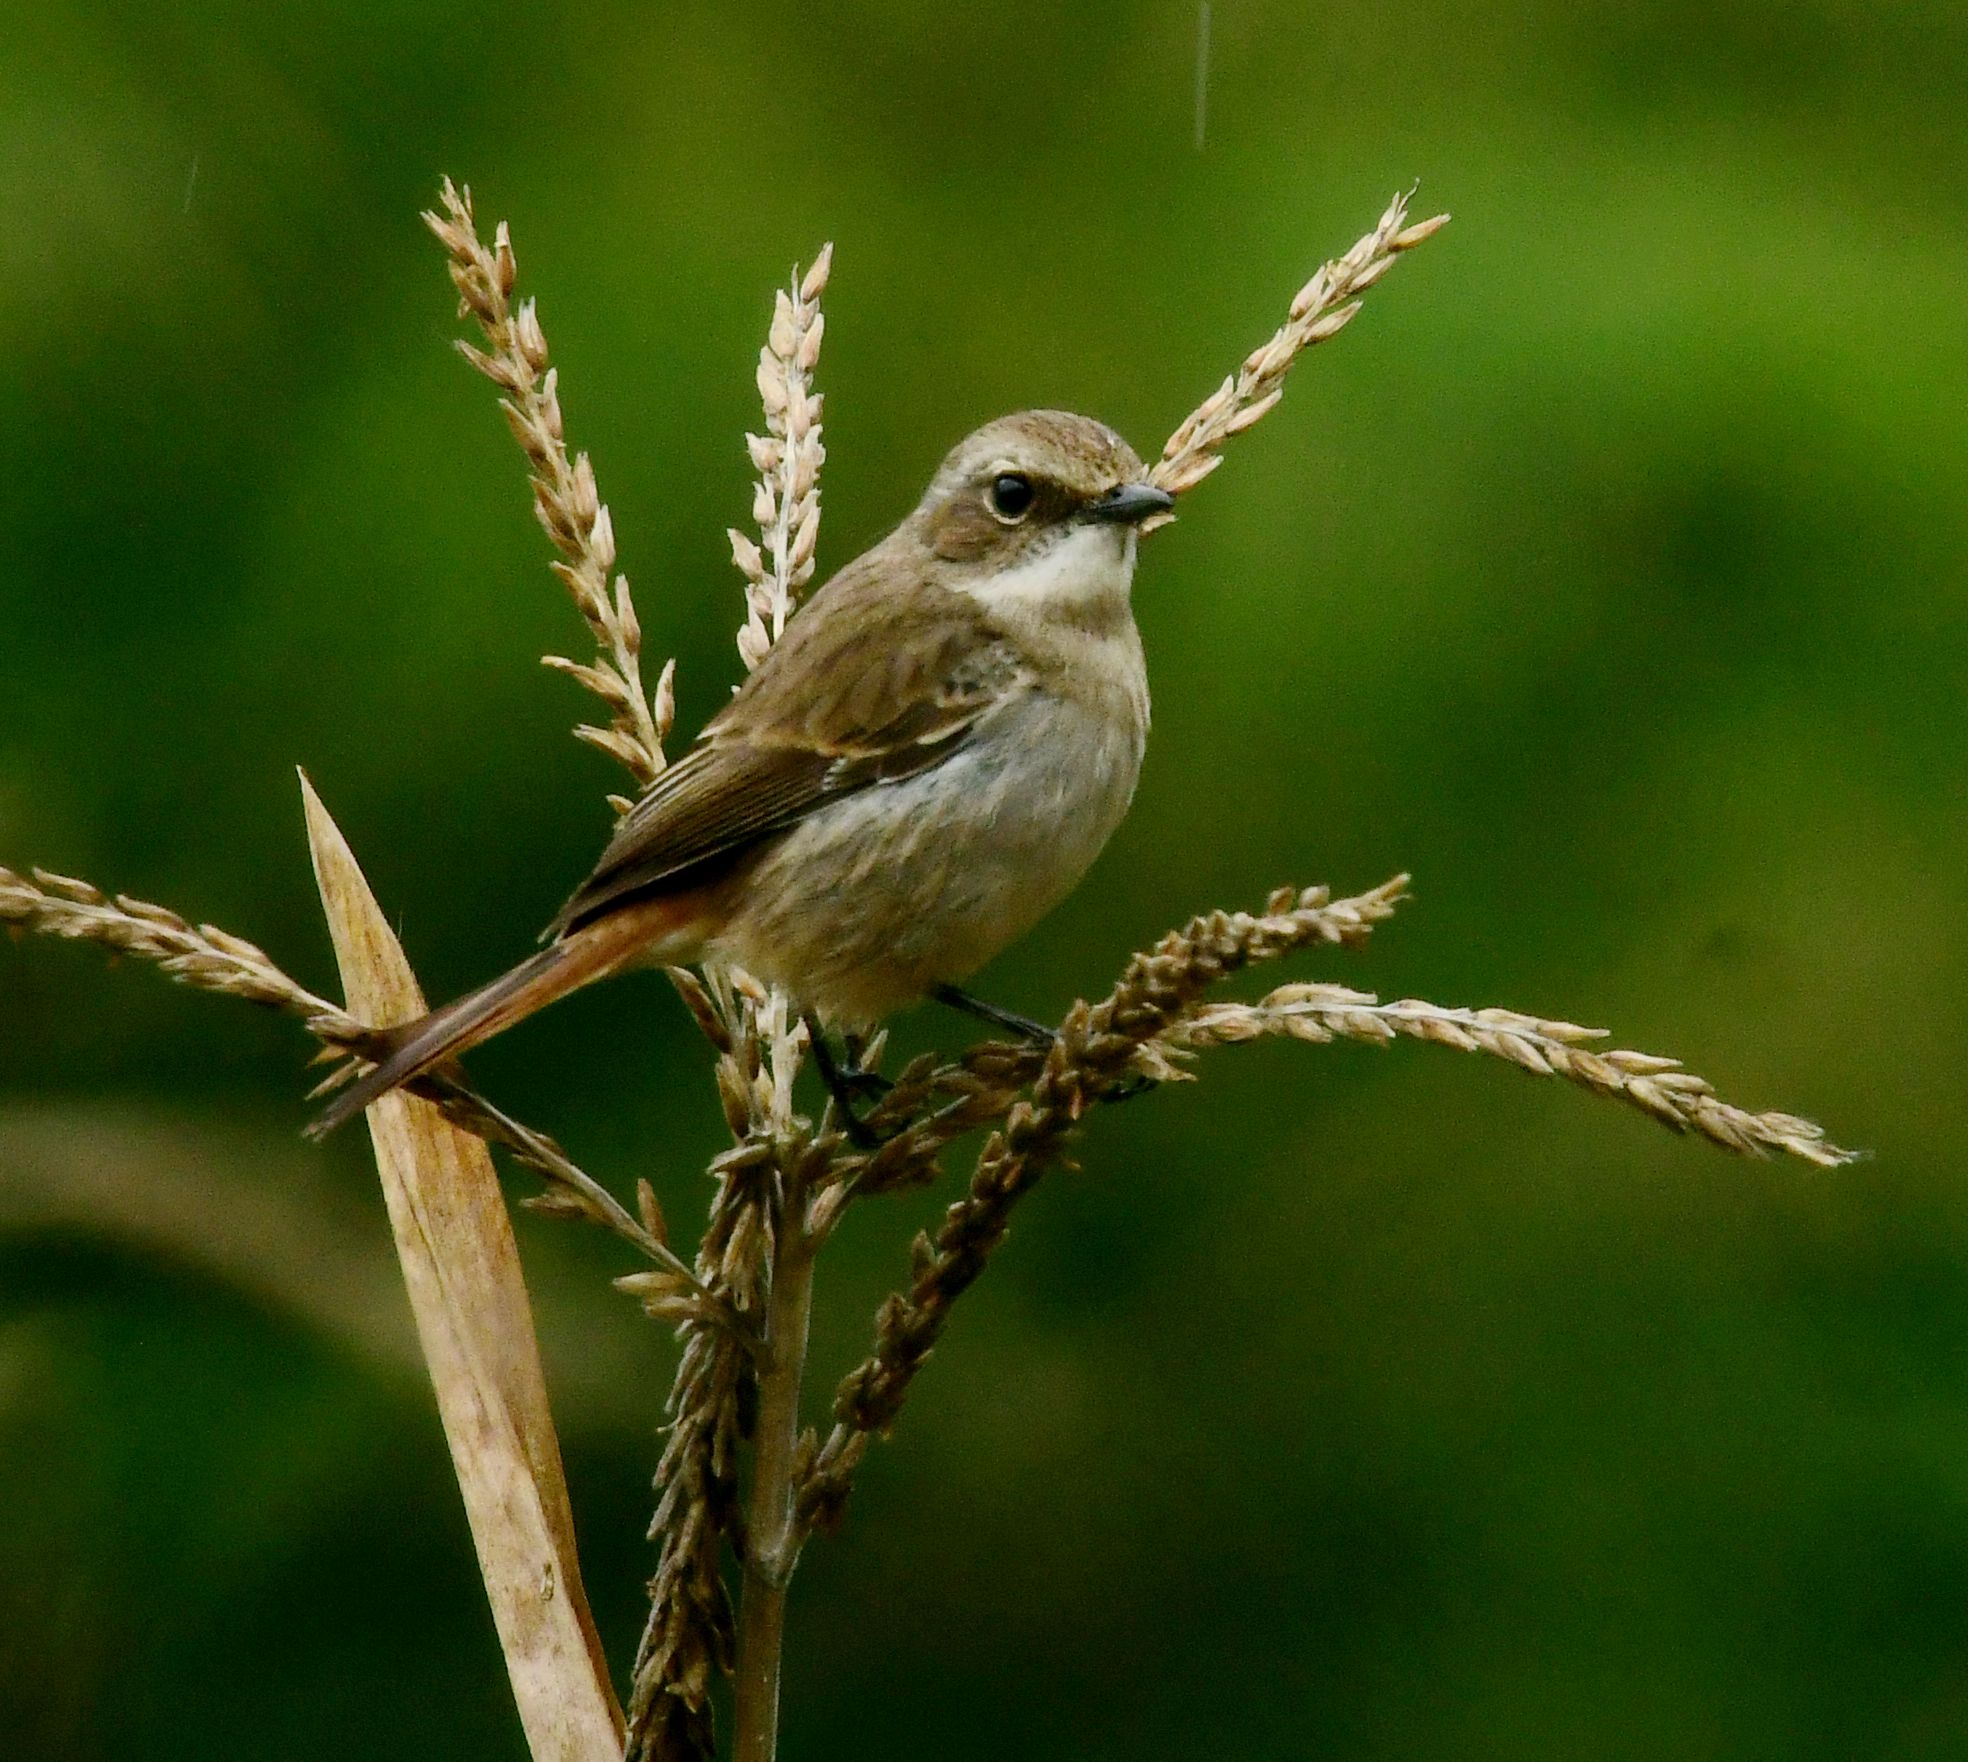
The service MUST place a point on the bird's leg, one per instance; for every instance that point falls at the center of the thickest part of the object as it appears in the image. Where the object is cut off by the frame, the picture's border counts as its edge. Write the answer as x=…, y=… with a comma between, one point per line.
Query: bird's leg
x=1031, y=1032
x=1036, y=1033
x=841, y=1085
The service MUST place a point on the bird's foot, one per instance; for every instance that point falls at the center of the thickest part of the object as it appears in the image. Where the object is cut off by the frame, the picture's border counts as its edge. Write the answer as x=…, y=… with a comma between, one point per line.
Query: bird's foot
x=870, y=1085
x=845, y=1084
x=856, y=1072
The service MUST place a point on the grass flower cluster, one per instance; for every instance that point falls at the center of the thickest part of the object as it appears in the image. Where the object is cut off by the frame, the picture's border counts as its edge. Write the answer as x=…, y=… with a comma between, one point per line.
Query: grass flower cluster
x=746, y=1477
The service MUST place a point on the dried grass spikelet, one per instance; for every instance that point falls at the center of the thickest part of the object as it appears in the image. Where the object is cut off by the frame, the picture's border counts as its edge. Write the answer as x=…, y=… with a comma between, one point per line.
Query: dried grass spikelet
x=787, y=457
x=1657, y=1086
x=210, y=959
x=690, y=1635
x=1321, y=309
x=1154, y=1019
x=687, y=1639
x=202, y=955
x=564, y=494
x=758, y=1041
x=1095, y=1059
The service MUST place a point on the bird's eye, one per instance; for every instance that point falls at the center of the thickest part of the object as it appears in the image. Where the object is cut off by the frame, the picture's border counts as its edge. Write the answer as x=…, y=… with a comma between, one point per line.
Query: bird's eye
x=1011, y=496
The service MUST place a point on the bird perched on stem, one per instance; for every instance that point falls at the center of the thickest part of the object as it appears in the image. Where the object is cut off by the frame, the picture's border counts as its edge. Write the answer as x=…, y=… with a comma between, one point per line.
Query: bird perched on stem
x=923, y=766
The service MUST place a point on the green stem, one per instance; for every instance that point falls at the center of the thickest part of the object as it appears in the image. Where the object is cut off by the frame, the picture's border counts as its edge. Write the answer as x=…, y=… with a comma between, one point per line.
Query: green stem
x=772, y=1538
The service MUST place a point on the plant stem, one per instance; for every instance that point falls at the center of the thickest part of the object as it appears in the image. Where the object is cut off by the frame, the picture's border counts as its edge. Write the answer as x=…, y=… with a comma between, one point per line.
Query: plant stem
x=772, y=1539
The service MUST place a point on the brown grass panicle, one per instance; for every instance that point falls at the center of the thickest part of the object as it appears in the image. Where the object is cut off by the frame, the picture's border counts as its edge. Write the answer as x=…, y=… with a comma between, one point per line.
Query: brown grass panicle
x=758, y=1045
x=210, y=959
x=787, y=457
x=691, y=1635
x=564, y=495
x=1104, y=1051
x=1659, y=1087
x=199, y=955
x=741, y=1483
x=1322, y=308
x=754, y=1238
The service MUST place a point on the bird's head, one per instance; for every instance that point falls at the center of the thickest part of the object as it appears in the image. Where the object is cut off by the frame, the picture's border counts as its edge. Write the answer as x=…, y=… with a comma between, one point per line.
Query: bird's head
x=1038, y=511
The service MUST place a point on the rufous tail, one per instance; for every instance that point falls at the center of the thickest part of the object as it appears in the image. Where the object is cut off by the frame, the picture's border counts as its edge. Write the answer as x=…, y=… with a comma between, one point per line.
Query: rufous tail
x=419, y=1046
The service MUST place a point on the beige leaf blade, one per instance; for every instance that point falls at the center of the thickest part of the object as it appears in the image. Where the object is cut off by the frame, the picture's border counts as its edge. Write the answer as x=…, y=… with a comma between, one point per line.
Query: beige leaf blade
x=475, y=1324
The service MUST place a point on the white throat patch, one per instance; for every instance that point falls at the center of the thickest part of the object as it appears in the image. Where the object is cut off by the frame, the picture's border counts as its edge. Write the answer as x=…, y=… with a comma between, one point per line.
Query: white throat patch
x=1089, y=566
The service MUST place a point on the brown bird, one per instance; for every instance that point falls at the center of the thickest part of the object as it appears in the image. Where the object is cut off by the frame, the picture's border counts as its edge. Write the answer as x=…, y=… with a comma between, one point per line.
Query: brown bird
x=924, y=765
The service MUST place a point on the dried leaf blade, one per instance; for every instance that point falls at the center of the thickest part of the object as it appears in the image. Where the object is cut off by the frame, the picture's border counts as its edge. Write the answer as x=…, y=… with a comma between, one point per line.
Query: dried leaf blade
x=474, y=1323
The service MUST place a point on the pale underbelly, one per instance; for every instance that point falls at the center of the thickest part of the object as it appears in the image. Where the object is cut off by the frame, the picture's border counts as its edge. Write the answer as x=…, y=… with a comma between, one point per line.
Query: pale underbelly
x=864, y=906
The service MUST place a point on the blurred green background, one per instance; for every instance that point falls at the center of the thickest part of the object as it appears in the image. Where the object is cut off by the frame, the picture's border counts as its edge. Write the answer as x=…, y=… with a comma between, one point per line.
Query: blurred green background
x=1608, y=575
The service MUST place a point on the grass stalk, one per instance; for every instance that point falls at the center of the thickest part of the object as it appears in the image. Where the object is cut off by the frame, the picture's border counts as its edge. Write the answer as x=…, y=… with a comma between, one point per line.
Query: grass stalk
x=772, y=1532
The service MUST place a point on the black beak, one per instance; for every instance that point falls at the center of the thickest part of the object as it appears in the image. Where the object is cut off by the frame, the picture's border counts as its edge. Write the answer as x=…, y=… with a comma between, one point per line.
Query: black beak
x=1127, y=503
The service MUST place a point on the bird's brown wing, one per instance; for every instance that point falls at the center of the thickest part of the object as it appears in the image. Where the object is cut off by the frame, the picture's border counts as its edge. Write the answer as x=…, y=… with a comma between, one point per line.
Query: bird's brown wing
x=865, y=688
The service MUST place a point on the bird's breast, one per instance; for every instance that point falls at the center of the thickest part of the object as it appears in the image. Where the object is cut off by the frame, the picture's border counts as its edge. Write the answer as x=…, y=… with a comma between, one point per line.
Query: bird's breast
x=868, y=902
